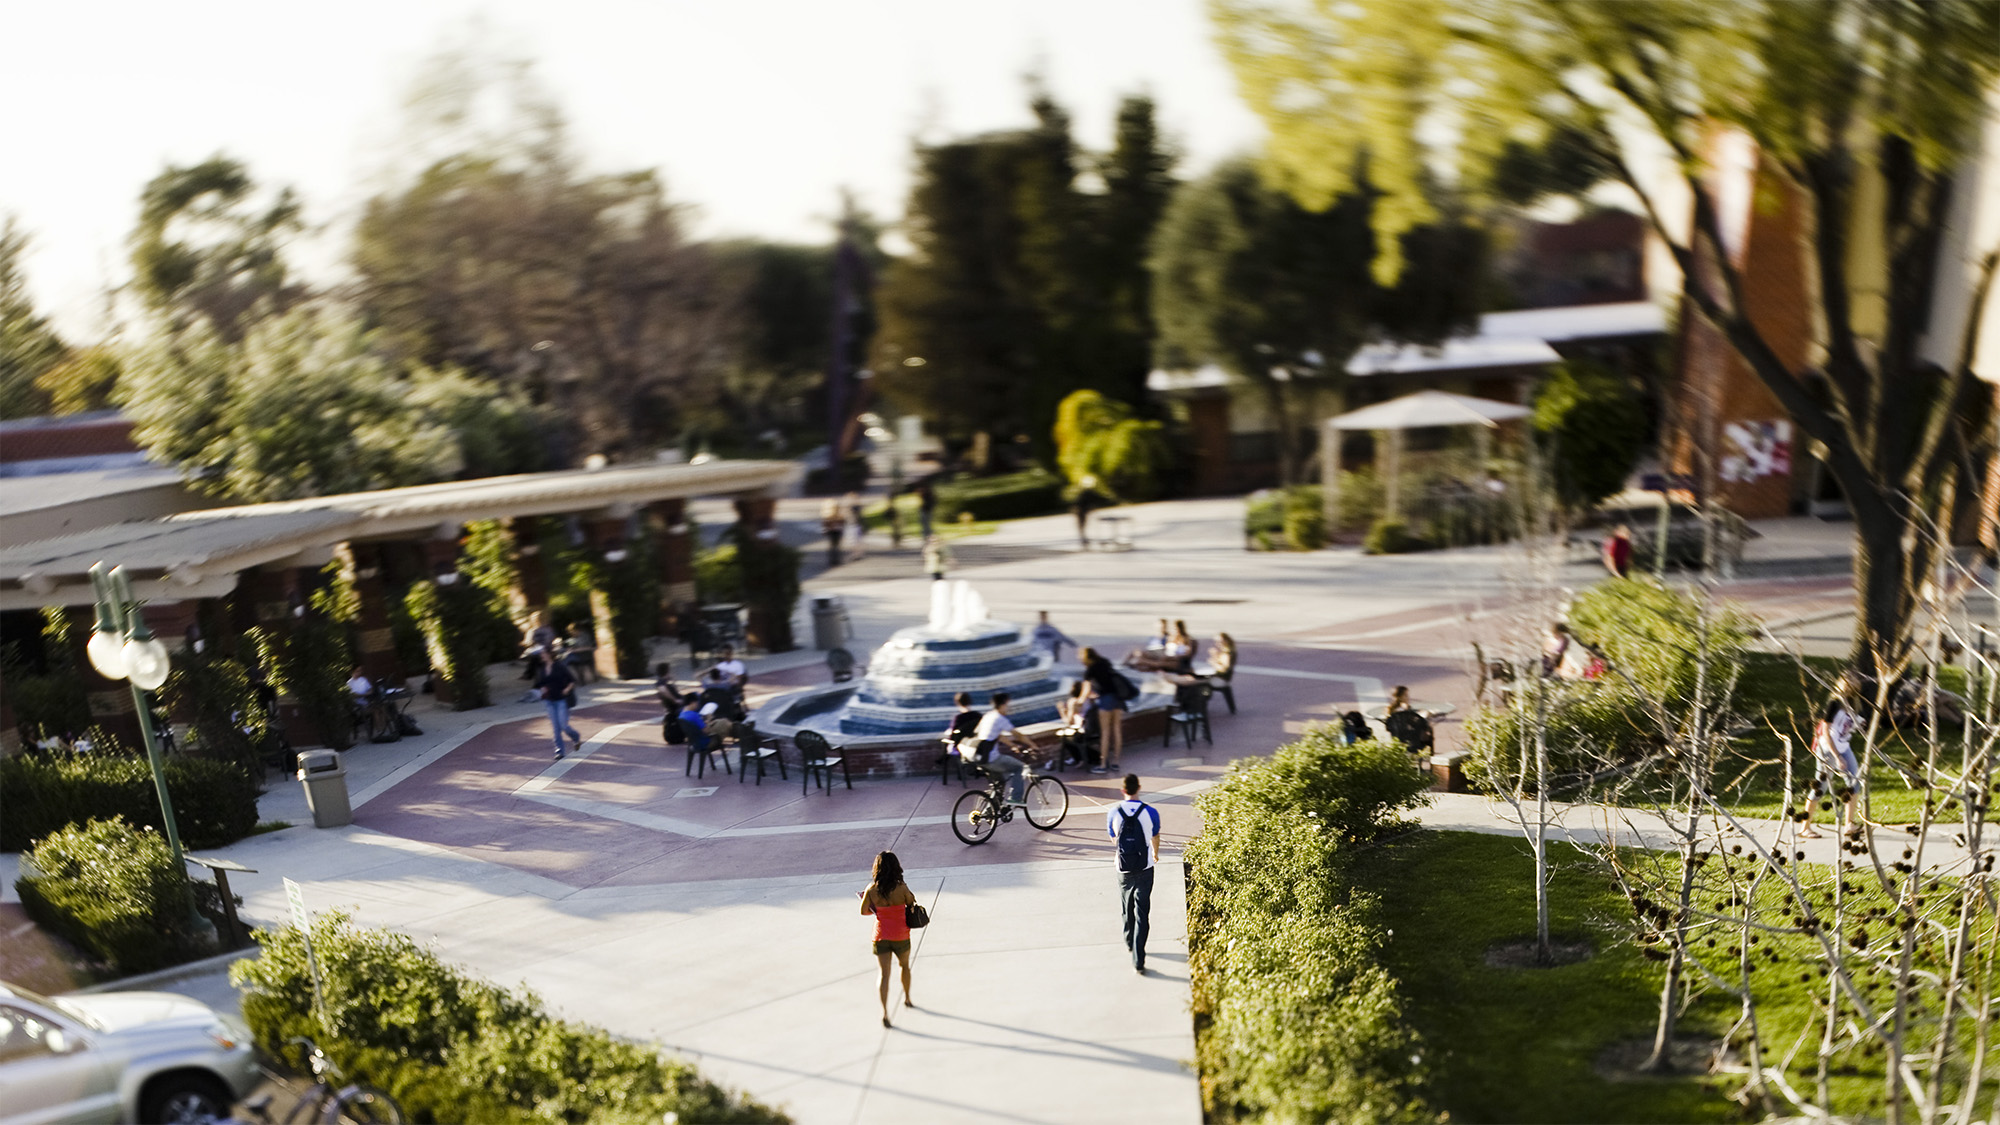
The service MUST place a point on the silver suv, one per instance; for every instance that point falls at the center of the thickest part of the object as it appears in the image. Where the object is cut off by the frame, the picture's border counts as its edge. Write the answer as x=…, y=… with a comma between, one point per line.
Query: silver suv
x=117, y=1057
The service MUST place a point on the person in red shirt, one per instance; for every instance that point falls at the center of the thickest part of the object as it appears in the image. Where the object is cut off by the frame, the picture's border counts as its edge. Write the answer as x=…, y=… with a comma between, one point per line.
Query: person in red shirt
x=886, y=898
x=1618, y=553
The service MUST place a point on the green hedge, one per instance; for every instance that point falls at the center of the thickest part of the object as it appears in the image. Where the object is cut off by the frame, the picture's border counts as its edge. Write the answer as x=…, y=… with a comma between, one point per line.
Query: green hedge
x=115, y=892
x=1285, y=519
x=215, y=802
x=1010, y=496
x=451, y=1047
x=1295, y=1019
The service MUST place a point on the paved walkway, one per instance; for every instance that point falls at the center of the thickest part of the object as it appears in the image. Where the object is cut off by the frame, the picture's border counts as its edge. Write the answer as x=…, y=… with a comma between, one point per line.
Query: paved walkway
x=719, y=917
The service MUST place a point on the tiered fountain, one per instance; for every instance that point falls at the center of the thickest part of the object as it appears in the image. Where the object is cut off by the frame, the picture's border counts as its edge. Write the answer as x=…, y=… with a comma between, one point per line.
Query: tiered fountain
x=905, y=700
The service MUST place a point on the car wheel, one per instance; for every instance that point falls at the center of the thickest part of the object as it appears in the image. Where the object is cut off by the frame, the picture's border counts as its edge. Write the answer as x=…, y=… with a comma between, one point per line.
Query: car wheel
x=184, y=1099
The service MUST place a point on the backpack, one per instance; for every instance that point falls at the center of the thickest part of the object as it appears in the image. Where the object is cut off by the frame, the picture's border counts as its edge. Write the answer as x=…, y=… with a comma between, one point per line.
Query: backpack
x=672, y=731
x=1132, y=840
x=1124, y=687
x=1355, y=726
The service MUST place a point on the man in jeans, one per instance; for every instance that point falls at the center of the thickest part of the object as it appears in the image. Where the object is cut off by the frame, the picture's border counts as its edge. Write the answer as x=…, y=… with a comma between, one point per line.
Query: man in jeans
x=1135, y=825
x=994, y=728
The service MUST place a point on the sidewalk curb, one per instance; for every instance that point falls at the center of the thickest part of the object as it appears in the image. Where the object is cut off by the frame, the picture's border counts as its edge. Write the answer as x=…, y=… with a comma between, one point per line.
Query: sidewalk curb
x=173, y=973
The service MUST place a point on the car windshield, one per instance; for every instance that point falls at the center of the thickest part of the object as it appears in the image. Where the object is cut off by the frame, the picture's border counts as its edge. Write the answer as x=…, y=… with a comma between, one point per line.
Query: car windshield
x=63, y=1006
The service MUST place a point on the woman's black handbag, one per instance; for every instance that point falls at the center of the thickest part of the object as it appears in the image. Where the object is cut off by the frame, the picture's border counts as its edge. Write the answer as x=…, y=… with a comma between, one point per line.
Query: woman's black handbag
x=916, y=917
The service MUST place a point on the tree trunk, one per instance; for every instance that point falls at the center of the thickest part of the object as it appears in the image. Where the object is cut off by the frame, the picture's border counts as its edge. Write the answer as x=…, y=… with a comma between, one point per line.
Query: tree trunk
x=1280, y=404
x=1892, y=553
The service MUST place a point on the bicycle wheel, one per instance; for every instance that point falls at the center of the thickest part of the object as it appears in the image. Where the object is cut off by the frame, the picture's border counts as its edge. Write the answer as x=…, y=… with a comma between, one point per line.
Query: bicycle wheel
x=363, y=1105
x=975, y=817
x=1048, y=802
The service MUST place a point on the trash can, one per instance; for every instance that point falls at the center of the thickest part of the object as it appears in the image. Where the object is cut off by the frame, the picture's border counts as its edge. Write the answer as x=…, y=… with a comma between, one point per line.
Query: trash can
x=831, y=628
x=325, y=780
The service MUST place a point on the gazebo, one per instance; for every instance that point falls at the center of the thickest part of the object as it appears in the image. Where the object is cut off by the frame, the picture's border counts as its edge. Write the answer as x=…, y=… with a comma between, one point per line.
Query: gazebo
x=1422, y=410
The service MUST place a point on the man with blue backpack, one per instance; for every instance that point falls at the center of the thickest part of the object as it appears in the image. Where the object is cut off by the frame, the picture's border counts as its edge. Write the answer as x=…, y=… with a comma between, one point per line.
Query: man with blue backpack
x=1135, y=825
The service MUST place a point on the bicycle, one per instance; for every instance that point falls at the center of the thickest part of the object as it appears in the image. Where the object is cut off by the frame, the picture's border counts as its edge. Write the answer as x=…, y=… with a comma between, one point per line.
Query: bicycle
x=355, y=1102
x=980, y=812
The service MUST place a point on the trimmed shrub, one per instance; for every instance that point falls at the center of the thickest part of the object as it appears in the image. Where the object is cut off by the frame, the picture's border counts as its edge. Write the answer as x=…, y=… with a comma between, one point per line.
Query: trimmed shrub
x=1653, y=634
x=1031, y=492
x=47, y=706
x=215, y=802
x=1591, y=727
x=114, y=891
x=1305, y=518
x=1264, y=519
x=451, y=1047
x=1295, y=1020
x=1391, y=537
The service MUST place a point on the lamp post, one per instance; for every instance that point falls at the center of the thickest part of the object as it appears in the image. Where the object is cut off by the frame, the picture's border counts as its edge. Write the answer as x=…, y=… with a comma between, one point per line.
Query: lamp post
x=123, y=648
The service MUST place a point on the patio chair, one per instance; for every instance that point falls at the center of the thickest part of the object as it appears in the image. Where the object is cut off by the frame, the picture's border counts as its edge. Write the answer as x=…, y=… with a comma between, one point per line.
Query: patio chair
x=818, y=757
x=1190, y=714
x=754, y=747
x=702, y=746
x=950, y=759
x=1222, y=665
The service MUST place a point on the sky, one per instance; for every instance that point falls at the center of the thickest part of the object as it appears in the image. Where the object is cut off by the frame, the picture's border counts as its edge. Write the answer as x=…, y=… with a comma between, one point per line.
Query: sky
x=756, y=112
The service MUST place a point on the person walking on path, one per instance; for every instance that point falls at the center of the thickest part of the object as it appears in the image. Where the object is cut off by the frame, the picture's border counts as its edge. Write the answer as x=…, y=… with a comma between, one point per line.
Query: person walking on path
x=886, y=898
x=1838, y=770
x=1047, y=638
x=937, y=557
x=858, y=522
x=831, y=522
x=1088, y=500
x=1107, y=692
x=926, y=508
x=1618, y=552
x=557, y=689
x=1135, y=826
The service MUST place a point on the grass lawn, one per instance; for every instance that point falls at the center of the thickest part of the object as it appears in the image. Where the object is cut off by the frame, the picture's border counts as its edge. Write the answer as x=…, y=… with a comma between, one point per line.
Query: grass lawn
x=1520, y=1044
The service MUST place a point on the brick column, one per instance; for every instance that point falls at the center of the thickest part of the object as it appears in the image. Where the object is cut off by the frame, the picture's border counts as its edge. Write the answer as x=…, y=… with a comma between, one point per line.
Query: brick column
x=758, y=517
x=531, y=583
x=676, y=551
x=603, y=534
x=375, y=643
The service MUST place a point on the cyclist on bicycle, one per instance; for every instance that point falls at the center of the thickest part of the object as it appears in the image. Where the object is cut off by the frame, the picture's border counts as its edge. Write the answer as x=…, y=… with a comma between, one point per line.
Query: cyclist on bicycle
x=994, y=728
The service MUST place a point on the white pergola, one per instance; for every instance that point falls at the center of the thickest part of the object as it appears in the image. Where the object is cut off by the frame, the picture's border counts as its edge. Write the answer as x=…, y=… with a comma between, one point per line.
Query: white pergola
x=1419, y=411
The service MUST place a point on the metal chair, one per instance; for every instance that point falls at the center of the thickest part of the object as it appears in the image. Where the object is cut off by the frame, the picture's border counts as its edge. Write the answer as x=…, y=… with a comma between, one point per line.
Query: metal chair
x=754, y=747
x=818, y=759
x=701, y=747
x=950, y=758
x=840, y=662
x=1190, y=714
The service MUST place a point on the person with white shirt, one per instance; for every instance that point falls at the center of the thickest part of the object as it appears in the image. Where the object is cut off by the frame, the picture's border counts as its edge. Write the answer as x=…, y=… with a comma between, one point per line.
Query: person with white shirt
x=1135, y=826
x=1833, y=751
x=729, y=672
x=994, y=728
x=359, y=685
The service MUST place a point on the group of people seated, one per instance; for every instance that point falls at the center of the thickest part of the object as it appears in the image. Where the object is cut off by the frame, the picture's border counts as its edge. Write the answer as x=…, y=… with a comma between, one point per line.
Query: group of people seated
x=709, y=711
x=577, y=650
x=1171, y=651
x=978, y=738
x=376, y=706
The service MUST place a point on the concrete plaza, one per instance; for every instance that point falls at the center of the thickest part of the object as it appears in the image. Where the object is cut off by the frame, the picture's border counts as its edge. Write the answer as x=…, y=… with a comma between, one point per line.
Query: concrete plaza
x=719, y=917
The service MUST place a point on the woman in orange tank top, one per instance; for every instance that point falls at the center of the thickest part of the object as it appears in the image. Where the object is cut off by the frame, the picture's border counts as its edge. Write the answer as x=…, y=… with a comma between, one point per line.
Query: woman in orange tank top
x=885, y=898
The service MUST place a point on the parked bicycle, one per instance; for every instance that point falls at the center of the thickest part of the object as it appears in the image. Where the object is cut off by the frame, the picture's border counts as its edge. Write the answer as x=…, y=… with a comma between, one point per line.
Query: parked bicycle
x=980, y=812
x=327, y=1104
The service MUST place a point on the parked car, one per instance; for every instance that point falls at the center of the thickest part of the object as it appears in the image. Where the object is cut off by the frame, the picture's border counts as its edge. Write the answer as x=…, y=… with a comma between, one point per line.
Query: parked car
x=118, y=1057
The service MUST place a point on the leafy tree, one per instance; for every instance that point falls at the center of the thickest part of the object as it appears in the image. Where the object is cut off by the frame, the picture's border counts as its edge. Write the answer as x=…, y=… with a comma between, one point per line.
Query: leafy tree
x=780, y=340
x=1023, y=286
x=1861, y=114
x=1100, y=440
x=84, y=380
x=579, y=293
x=206, y=248
x=1596, y=427
x=307, y=405
x=1246, y=277
x=28, y=346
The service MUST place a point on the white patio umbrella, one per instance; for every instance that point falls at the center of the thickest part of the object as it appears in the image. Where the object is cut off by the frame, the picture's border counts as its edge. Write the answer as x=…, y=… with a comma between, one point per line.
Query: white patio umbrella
x=1422, y=410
